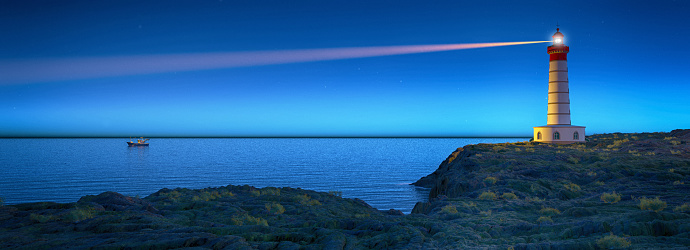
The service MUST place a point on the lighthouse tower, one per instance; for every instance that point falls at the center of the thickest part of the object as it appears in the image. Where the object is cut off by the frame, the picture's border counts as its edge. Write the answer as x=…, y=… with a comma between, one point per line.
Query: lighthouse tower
x=558, y=128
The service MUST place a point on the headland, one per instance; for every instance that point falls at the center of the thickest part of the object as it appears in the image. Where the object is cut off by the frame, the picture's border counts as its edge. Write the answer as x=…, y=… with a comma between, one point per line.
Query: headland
x=613, y=191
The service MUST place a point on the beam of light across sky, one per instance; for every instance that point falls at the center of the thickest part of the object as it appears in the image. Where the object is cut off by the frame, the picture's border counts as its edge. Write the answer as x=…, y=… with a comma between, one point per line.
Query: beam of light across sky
x=60, y=69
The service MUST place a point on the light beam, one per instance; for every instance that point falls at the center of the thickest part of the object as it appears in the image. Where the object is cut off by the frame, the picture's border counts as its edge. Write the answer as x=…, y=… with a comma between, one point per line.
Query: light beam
x=60, y=69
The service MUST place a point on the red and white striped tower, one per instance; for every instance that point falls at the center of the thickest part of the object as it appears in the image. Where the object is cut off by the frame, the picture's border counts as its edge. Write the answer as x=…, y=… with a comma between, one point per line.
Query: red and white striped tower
x=558, y=128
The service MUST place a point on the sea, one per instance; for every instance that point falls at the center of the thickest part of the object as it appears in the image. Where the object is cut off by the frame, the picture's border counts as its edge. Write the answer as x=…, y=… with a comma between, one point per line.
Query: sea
x=376, y=170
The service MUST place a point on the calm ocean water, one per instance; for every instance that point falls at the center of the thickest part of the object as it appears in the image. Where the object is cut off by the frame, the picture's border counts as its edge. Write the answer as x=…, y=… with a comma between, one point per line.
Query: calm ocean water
x=375, y=170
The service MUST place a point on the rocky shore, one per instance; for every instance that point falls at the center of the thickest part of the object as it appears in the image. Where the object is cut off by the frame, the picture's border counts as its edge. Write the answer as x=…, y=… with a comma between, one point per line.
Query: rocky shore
x=614, y=191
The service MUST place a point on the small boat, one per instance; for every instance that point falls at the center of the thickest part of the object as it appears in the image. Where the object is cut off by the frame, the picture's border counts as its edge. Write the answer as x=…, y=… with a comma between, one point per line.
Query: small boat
x=140, y=142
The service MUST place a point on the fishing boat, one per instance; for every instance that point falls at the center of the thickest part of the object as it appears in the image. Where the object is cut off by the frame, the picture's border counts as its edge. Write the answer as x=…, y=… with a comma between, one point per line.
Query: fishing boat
x=140, y=142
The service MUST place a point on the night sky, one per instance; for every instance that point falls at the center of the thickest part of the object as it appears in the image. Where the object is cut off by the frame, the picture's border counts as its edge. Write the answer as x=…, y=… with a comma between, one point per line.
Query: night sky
x=628, y=68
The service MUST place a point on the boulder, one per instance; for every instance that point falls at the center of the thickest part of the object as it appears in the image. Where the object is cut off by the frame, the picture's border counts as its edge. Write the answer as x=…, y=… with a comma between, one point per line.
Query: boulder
x=113, y=201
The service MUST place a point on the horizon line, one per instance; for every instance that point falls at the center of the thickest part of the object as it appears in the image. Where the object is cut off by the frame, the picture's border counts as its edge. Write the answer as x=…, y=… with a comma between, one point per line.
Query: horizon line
x=250, y=137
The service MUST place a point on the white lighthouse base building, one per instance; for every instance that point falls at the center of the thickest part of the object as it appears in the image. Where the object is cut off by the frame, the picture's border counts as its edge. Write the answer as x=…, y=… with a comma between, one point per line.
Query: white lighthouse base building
x=562, y=134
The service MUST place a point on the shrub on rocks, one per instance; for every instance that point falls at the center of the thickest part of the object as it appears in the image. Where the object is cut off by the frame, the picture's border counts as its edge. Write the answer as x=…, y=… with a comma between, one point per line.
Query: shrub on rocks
x=610, y=197
x=613, y=242
x=509, y=196
x=306, y=200
x=488, y=195
x=490, y=180
x=39, y=218
x=544, y=219
x=572, y=187
x=275, y=208
x=549, y=211
x=449, y=209
x=655, y=205
x=80, y=214
x=682, y=208
x=248, y=220
x=533, y=199
x=270, y=191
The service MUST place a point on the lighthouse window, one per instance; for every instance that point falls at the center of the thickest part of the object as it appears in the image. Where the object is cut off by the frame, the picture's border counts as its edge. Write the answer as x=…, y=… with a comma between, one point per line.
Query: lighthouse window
x=576, y=136
x=538, y=135
x=556, y=136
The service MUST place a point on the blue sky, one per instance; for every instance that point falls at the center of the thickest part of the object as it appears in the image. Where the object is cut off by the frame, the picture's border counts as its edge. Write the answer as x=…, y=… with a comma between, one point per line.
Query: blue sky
x=628, y=66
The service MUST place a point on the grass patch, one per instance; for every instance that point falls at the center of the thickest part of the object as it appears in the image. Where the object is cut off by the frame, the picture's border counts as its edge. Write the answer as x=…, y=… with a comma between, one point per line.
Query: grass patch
x=508, y=196
x=610, y=198
x=453, y=155
x=544, y=219
x=617, y=143
x=270, y=191
x=573, y=160
x=572, y=187
x=488, y=195
x=173, y=195
x=490, y=180
x=306, y=200
x=209, y=196
x=533, y=199
x=449, y=209
x=549, y=211
x=613, y=242
x=248, y=220
x=39, y=218
x=486, y=213
x=682, y=208
x=79, y=214
x=275, y=208
x=655, y=205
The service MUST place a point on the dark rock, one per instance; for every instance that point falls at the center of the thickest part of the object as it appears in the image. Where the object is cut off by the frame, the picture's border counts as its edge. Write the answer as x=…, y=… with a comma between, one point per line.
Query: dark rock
x=113, y=201
x=421, y=208
x=681, y=133
x=394, y=212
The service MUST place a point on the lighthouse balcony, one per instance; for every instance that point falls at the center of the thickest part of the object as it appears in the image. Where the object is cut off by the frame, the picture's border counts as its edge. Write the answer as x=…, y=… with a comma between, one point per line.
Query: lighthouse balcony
x=558, y=49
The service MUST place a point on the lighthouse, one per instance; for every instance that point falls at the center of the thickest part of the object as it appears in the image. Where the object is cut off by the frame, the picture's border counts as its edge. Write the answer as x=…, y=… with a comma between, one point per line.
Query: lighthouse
x=558, y=128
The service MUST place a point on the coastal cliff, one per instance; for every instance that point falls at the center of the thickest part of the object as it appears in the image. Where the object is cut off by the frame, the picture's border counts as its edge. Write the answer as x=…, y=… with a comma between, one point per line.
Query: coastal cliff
x=614, y=191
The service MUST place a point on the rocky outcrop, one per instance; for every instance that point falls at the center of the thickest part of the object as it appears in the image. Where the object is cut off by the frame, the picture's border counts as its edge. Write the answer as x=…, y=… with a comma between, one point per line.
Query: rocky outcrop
x=112, y=201
x=614, y=191
x=551, y=196
x=231, y=217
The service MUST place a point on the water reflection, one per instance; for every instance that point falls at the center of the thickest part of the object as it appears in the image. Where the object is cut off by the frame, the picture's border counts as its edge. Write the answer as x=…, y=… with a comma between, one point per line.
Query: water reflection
x=140, y=152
